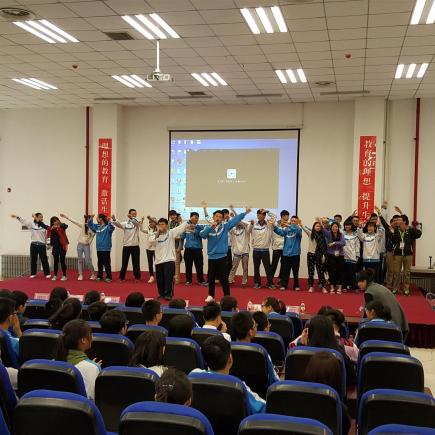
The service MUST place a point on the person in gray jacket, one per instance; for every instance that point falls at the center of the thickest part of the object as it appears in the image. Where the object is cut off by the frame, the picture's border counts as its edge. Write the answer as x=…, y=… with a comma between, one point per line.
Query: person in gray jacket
x=377, y=292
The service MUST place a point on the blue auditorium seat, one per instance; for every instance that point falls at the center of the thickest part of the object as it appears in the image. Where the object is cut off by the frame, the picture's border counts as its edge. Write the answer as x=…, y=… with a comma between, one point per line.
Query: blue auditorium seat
x=95, y=325
x=201, y=334
x=35, y=309
x=298, y=325
x=8, y=356
x=198, y=314
x=401, y=429
x=183, y=353
x=8, y=396
x=282, y=325
x=386, y=331
x=227, y=317
x=169, y=313
x=134, y=331
x=4, y=429
x=39, y=344
x=111, y=349
x=36, y=323
x=382, y=346
x=274, y=345
x=134, y=315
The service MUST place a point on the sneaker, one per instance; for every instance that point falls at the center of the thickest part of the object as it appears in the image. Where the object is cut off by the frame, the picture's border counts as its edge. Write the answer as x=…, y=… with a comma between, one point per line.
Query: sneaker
x=271, y=286
x=209, y=299
x=54, y=278
x=395, y=292
x=282, y=288
x=339, y=291
x=108, y=280
x=80, y=277
x=297, y=289
x=98, y=279
x=230, y=282
x=324, y=290
x=311, y=290
x=151, y=280
x=332, y=291
x=63, y=278
x=32, y=276
x=47, y=276
x=188, y=282
x=406, y=292
x=92, y=277
x=203, y=283
x=167, y=298
x=257, y=286
x=244, y=284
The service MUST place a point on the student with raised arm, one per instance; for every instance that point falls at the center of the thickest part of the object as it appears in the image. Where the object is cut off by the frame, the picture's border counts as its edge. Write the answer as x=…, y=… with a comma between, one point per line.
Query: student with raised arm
x=57, y=239
x=38, y=234
x=278, y=244
x=103, y=230
x=217, y=249
x=371, y=247
x=130, y=244
x=83, y=246
x=174, y=221
x=351, y=255
x=150, y=247
x=291, y=255
x=165, y=244
x=240, y=238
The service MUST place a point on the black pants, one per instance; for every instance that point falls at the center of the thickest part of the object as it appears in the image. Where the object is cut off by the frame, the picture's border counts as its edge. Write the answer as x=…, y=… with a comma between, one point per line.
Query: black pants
x=276, y=258
x=218, y=269
x=290, y=264
x=350, y=275
x=194, y=256
x=134, y=251
x=35, y=250
x=335, y=269
x=104, y=262
x=59, y=256
x=165, y=279
x=151, y=255
x=229, y=261
x=374, y=265
x=262, y=256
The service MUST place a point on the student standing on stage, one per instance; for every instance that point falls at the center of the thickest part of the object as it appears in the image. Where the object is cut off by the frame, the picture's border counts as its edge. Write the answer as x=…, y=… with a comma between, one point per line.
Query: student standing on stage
x=174, y=221
x=150, y=248
x=278, y=243
x=261, y=238
x=103, y=230
x=83, y=246
x=130, y=245
x=193, y=251
x=57, y=239
x=335, y=259
x=38, y=234
x=351, y=255
x=240, y=238
x=217, y=248
x=371, y=247
x=165, y=243
x=291, y=256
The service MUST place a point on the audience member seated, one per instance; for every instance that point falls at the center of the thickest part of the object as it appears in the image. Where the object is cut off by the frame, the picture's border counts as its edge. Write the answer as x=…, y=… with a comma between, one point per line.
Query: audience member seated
x=20, y=299
x=57, y=297
x=9, y=320
x=177, y=303
x=96, y=310
x=180, y=326
x=152, y=312
x=324, y=368
x=91, y=297
x=229, y=303
x=135, y=299
x=149, y=351
x=282, y=307
x=262, y=321
x=376, y=311
x=174, y=387
x=213, y=320
x=270, y=305
x=217, y=355
x=75, y=340
x=113, y=322
x=70, y=310
x=244, y=329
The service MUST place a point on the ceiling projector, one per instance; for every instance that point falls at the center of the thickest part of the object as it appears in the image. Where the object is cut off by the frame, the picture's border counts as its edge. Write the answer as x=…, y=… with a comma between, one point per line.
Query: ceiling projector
x=157, y=76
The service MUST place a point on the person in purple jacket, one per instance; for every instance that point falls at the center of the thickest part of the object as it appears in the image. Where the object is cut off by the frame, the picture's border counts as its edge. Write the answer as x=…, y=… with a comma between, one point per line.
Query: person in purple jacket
x=335, y=262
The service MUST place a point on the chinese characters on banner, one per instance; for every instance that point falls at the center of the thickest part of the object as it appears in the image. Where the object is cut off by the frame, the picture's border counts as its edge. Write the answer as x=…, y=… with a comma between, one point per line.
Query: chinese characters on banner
x=366, y=176
x=104, y=176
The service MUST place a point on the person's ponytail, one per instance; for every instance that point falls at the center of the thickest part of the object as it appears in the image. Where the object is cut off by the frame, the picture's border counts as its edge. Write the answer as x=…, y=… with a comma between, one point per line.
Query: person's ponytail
x=72, y=333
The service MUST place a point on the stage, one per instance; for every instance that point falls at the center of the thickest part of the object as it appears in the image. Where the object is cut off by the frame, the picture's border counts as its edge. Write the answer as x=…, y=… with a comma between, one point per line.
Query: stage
x=420, y=316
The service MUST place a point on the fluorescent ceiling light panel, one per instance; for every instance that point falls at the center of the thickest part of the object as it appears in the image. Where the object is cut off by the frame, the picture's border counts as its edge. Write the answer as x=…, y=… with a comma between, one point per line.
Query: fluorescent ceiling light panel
x=207, y=76
x=200, y=79
x=264, y=19
x=217, y=77
x=418, y=10
x=431, y=15
x=411, y=69
x=250, y=21
x=277, y=14
x=164, y=25
x=281, y=76
x=132, y=81
x=151, y=26
x=301, y=75
x=399, y=71
x=141, y=80
x=207, y=79
x=288, y=75
x=47, y=31
x=35, y=84
x=291, y=76
x=422, y=70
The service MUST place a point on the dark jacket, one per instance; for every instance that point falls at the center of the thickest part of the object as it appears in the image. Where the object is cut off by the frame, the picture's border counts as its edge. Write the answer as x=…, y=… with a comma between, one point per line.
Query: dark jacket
x=409, y=235
x=389, y=245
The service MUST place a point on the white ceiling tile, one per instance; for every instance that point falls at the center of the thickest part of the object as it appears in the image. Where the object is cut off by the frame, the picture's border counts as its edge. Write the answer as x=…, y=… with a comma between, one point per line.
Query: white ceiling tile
x=90, y=9
x=338, y=9
x=393, y=19
x=311, y=36
x=221, y=16
x=388, y=6
x=192, y=31
x=230, y=29
x=346, y=34
x=388, y=31
x=211, y=41
x=49, y=11
x=129, y=7
x=312, y=46
x=350, y=22
x=303, y=11
x=348, y=45
x=306, y=24
x=170, y=5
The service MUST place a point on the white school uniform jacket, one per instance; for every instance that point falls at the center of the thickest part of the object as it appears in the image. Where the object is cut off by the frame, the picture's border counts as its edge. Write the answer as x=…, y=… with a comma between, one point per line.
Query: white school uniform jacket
x=351, y=248
x=240, y=236
x=277, y=240
x=89, y=371
x=150, y=246
x=85, y=239
x=371, y=245
x=165, y=243
x=261, y=236
x=131, y=231
x=37, y=233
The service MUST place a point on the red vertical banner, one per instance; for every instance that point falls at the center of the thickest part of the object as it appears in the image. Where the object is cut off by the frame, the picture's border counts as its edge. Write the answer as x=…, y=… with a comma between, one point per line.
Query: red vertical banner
x=104, y=176
x=366, y=176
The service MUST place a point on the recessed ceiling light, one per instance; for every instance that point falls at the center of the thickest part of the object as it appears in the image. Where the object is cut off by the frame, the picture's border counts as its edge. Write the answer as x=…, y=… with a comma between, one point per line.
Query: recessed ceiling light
x=35, y=84
x=207, y=79
x=422, y=9
x=132, y=81
x=47, y=31
x=264, y=20
x=411, y=69
x=151, y=26
x=289, y=75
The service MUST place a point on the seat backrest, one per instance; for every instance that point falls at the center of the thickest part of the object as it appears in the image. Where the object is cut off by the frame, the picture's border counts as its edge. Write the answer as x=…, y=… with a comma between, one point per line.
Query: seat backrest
x=39, y=344
x=169, y=313
x=183, y=353
x=390, y=370
x=291, y=398
x=35, y=309
x=8, y=398
x=201, y=334
x=4, y=429
x=378, y=331
x=250, y=365
x=385, y=406
x=118, y=387
x=198, y=314
x=54, y=412
x=209, y=390
x=111, y=349
x=282, y=325
x=401, y=429
x=35, y=323
x=382, y=346
x=42, y=374
x=134, y=331
x=134, y=315
x=156, y=418
x=227, y=317
x=274, y=345
x=268, y=424
x=298, y=325
x=8, y=356
x=95, y=325
x=298, y=358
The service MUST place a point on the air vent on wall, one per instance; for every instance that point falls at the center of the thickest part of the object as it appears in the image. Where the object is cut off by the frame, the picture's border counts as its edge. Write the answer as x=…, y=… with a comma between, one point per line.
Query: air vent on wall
x=115, y=99
x=16, y=13
x=258, y=95
x=119, y=36
x=197, y=93
x=324, y=83
x=345, y=92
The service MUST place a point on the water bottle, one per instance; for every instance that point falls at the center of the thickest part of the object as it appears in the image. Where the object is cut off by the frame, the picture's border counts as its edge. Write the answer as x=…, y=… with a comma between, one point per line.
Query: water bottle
x=102, y=296
x=302, y=308
x=250, y=306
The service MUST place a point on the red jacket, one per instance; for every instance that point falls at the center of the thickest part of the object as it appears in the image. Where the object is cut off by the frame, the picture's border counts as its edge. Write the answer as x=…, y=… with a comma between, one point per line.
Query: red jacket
x=63, y=239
